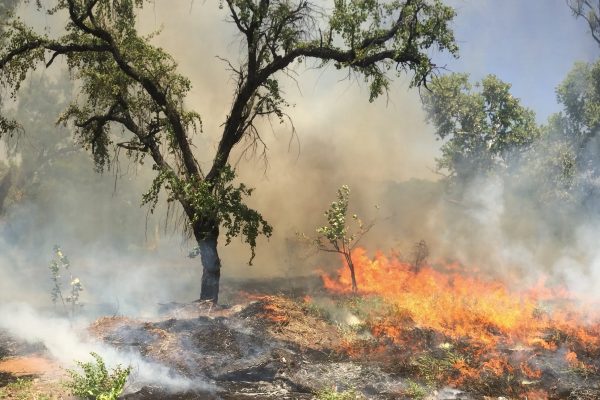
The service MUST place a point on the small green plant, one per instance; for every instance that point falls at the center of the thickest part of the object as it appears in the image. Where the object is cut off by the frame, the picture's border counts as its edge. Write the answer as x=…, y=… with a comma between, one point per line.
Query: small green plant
x=414, y=390
x=333, y=394
x=71, y=303
x=337, y=236
x=315, y=310
x=363, y=307
x=94, y=382
x=434, y=367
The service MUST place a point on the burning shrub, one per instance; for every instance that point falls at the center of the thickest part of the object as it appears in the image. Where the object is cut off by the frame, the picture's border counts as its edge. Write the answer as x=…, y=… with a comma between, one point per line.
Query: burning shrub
x=420, y=254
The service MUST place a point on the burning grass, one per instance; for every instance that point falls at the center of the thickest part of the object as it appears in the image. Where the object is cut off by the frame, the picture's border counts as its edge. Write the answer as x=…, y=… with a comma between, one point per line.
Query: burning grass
x=407, y=334
x=449, y=326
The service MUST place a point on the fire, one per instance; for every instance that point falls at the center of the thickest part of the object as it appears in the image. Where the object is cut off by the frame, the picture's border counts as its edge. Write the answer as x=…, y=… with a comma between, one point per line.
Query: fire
x=496, y=330
x=271, y=310
x=460, y=305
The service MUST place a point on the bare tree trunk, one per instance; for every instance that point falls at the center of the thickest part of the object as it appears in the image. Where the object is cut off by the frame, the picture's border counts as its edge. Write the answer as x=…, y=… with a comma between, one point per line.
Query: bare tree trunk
x=352, y=274
x=211, y=269
x=206, y=232
x=5, y=185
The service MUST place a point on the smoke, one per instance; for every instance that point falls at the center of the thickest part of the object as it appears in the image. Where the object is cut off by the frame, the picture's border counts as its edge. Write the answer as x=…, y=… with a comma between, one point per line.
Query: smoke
x=337, y=138
x=129, y=261
x=384, y=150
x=518, y=235
x=66, y=343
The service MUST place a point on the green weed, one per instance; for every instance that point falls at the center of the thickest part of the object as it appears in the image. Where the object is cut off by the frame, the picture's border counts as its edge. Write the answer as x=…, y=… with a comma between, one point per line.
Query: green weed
x=414, y=390
x=333, y=394
x=95, y=382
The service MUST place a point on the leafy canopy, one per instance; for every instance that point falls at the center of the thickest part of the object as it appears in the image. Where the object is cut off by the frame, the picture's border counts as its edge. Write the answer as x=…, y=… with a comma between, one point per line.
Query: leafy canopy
x=131, y=96
x=368, y=37
x=567, y=158
x=338, y=235
x=483, y=125
x=127, y=81
x=579, y=93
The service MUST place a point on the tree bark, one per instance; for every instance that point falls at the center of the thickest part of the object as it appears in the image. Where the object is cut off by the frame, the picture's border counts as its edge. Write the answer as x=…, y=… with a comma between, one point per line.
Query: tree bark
x=211, y=269
x=348, y=256
x=5, y=185
x=206, y=232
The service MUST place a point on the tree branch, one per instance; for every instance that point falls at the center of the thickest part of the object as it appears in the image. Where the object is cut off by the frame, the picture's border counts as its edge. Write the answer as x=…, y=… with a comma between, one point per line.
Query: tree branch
x=19, y=51
x=236, y=18
x=236, y=123
x=152, y=88
x=132, y=147
x=592, y=17
x=378, y=40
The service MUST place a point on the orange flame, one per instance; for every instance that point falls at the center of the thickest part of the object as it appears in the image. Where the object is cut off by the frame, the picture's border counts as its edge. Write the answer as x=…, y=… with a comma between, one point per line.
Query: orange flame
x=461, y=305
x=503, y=327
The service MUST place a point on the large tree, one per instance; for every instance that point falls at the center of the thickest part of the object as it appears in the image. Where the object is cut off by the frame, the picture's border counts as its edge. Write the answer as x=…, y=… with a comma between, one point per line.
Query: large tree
x=484, y=127
x=574, y=132
x=132, y=97
x=579, y=94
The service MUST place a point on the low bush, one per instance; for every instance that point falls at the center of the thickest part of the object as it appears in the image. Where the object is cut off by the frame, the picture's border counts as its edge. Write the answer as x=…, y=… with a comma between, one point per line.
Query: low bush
x=95, y=382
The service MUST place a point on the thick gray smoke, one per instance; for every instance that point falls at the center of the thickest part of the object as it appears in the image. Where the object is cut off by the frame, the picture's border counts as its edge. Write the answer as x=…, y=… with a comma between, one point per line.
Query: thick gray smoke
x=384, y=151
x=67, y=344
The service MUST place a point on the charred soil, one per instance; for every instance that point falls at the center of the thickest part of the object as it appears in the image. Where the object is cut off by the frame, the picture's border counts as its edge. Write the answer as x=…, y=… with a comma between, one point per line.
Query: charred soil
x=279, y=347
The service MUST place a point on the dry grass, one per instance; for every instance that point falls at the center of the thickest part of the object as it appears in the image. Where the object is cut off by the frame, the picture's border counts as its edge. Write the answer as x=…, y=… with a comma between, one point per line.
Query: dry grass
x=292, y=321
x=30, y=388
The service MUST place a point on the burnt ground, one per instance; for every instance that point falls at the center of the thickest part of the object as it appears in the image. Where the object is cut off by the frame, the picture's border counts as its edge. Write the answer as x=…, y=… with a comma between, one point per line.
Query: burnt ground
x=10, y=347
x=27, y=373
x=269, y=348
x=282, y=347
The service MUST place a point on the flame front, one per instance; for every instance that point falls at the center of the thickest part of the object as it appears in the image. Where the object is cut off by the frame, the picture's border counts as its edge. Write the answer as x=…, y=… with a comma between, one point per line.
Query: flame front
x=499, y=328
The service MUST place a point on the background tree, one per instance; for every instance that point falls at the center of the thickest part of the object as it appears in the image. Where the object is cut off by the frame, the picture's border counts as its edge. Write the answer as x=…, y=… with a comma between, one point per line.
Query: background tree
x=128, y=83
x=7, y=8
x=550, y=171
x=569, y=153
x=589, y=10
x=483, y=125
x=49, y=178
x=579, y=94
x=31, y=156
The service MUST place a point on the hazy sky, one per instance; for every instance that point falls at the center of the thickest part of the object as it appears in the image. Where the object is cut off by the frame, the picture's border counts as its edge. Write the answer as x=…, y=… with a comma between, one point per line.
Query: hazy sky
x=529, y=43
